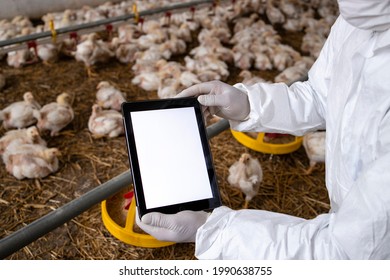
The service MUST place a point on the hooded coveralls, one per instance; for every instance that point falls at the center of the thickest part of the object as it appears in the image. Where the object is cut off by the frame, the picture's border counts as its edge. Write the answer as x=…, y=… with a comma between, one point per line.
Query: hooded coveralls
x=348, y=94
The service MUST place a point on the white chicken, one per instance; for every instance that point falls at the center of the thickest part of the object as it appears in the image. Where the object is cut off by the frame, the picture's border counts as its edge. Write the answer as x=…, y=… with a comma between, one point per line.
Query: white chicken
x=209, y=75
x=108, y=97
x=174, y=45
x=19, y=58
x=20, y=114
x=243, y=22
x=183, y=32
x=48, y=53
x=124, y=52
x=247, y=175
x=249, y=79
x=55, y=115
x=291, y=8
x=147, y=80
x=262, y=62
x=92, y=51
x=31, y=161
x=169, y=69
x=22, y=136
x=168, y=88
x=295, y=72
x=67, y=46
x=284, y=56
x=314, y=144
x=103, y=123
x=126, y=33
x=291, y=74
x=243, y=59
x=187, y=79
x=274, y=15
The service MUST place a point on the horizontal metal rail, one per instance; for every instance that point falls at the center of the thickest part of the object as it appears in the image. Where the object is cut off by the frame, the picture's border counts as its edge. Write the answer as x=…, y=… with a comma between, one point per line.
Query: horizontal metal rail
x=103, y=22
x=24, y=236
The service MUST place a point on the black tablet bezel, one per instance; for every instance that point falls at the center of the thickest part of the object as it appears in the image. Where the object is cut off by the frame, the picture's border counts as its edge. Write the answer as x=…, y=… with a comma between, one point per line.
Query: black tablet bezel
x=204, y=204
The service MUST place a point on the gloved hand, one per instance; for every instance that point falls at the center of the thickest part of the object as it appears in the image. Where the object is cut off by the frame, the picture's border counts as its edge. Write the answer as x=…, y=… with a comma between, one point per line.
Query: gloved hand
x=220, y=99
x=180, y=227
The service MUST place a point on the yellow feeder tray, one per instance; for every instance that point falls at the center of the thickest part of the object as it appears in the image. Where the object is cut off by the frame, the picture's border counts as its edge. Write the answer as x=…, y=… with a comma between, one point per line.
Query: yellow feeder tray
x=127, y=234
x=259, y=145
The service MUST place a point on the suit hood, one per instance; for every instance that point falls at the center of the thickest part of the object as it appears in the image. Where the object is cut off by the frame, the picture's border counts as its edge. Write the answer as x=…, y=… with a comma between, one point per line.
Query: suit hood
x=366, y=14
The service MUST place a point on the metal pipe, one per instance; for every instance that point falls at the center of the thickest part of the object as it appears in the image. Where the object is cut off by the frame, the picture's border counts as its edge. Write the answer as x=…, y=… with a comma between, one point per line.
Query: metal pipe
x=58, y=217
x=103, y=22
x=12, y=8
x=24, y=236
x=215, y=129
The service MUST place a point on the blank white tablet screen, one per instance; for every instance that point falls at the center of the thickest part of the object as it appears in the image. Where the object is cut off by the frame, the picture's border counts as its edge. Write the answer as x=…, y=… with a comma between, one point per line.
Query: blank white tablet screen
x=170, y=155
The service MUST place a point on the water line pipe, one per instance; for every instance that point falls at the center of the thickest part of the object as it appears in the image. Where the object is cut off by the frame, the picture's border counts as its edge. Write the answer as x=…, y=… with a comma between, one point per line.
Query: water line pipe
x=102, y=22
x=37, y=8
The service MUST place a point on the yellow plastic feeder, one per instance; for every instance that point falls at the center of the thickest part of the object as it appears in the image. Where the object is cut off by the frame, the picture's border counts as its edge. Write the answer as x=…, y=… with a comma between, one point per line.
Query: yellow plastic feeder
x=127, y=234
x=258, y=144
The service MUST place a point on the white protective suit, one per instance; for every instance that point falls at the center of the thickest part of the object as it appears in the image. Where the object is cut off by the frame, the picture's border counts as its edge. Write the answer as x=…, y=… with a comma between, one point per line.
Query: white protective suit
x=348, y=94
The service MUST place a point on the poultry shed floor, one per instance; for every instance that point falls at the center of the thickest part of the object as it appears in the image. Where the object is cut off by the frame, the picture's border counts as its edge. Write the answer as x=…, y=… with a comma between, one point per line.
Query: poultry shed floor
x=87, y=162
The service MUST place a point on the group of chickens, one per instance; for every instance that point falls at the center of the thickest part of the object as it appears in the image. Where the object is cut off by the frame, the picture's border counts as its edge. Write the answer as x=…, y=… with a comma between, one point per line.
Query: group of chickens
x=106, y=120
x=24, y=153
x=253, y=42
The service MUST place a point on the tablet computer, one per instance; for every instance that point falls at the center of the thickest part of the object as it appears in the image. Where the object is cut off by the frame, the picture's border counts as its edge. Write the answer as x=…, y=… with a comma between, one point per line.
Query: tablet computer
x=170, y=157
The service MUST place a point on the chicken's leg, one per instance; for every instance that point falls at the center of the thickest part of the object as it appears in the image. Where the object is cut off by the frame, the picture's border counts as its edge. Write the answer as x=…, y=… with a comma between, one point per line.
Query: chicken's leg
x=90, y=72
x=47, y=63
x=311, y=168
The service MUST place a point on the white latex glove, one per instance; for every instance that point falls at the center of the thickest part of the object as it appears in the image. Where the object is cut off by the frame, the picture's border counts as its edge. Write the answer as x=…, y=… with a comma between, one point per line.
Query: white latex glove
x=220, y=99
x=180, y=227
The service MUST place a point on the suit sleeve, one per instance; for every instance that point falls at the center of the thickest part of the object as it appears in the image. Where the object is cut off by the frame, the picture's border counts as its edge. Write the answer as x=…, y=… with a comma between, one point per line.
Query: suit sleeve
x=295, y=109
